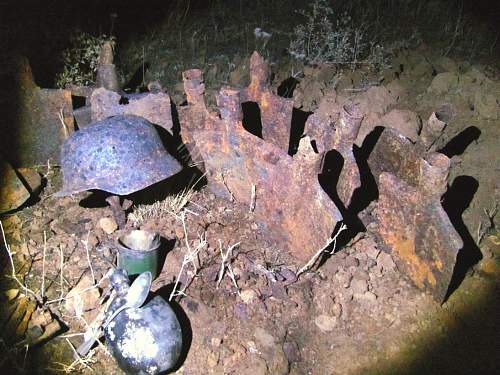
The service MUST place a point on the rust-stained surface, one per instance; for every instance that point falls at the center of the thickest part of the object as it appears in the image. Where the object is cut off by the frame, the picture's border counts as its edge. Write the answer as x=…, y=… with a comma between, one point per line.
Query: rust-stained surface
x=43, y=119
x=275, y=111
x=414, y=225
x=396, y=154
x=153, y=107
x=288, y=200
x=194, y=115
x=331, y=130
x=346, y=132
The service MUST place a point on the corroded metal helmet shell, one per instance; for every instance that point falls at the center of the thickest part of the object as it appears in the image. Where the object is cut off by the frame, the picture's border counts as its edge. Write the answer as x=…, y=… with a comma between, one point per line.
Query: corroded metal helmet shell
x=120, y=155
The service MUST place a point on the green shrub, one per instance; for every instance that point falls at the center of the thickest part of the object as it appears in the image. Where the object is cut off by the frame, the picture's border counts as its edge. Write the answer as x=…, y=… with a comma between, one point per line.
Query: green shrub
x=319, y=40
x=80, y=59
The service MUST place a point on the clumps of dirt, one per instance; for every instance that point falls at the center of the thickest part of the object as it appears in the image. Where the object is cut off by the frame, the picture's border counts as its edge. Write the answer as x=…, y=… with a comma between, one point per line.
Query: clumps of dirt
x=264, y=321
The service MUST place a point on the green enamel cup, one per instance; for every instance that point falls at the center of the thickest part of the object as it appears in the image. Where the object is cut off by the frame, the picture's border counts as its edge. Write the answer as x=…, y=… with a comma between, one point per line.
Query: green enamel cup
x=139, y=251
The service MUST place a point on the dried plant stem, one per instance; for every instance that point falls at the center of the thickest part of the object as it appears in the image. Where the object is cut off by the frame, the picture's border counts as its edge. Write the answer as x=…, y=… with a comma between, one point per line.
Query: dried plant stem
x=12, y=266
x=252, y=199
x=86, y=243
x=44, y=250
x=315, y=257
x=64, y=126
x=226, y=264
x=62, y=267
x=190, y=257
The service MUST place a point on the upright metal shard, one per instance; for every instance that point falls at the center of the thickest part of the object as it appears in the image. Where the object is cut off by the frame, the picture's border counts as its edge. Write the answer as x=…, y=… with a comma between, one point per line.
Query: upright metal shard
x=275, y=111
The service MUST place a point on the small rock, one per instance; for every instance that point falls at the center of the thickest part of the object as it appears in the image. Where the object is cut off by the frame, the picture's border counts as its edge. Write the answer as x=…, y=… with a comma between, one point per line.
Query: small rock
x=365, y=297
x=351, y=262
x=359, y=286
x=336, y=310
x=108, y=225
x=216, y=342
x=213, y=359
x=241, y=311
x=179, y=232
x=343, y=278
x=263, y=337
x=82, y=298
x=487, y=103
x=405, y=122
x=326, y=323
x=292, y=352
x=372, y=252
x=371, y=263
x=11, y=294
x=248, y=295
x=385, y=260
x=443, y=83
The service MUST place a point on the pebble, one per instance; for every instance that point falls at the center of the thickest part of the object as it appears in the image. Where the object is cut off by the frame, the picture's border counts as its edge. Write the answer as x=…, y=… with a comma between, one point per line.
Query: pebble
x=372, y=252
x=179, y=232
x=292, y=352
x=216, y=342
x=359, y=286
x=11, y=294
x=263, y=337
x=325, y=323
x=365, y=297
x=351, y=262
x=248, y=295
x=385, y=260
x=108, y=225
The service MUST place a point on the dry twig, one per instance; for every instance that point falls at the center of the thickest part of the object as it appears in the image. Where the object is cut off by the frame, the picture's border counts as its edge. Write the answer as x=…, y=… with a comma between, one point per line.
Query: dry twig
x=226, y=264
x=12, y=266
x=315, y=257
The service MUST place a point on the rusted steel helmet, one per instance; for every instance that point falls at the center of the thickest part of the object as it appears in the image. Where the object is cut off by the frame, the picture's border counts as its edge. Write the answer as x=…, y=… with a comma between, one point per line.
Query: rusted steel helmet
x=120, y=155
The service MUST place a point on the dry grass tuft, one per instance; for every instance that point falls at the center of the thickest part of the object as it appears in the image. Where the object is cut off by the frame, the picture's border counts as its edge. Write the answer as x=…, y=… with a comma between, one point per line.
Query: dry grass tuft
x=172, y=205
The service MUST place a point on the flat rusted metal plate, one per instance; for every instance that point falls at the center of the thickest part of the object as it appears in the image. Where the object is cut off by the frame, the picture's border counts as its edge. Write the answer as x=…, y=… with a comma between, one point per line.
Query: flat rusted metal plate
x=36, y=120
x=153, y=107
x=420, y=234
x=275, y=111
x=289, y=202
x=395, y=154
x=331, y=131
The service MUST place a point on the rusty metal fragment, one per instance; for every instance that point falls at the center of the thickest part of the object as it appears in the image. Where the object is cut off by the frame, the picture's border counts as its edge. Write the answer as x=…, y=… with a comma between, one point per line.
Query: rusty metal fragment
x=412, y=222
x=284, y=191
x=435, y=125
x=275, y=111
x=396, y=154
x=153, y=107
x=194, y=115
x=331, y=131
x=347, y=130
x=106, y=75
x=40, y=120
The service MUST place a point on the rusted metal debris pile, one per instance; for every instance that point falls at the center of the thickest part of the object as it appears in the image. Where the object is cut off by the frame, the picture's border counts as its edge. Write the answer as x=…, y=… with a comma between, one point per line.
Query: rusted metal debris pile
x=283, y=190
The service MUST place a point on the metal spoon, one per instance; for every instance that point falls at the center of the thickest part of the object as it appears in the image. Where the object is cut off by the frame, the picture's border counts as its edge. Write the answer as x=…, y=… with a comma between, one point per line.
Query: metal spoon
x=136, y=295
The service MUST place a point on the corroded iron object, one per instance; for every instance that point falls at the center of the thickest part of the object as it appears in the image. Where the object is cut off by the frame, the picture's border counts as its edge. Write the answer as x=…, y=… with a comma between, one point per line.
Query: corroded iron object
x=195, y=116
x=414, y=225
x=339, y=135
x=36, y=121
x=346, y=132
x=396, y=154
x=106, y=75
x=288, y=200
x=275, y=111
x=121, y=155
x=153, y=107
